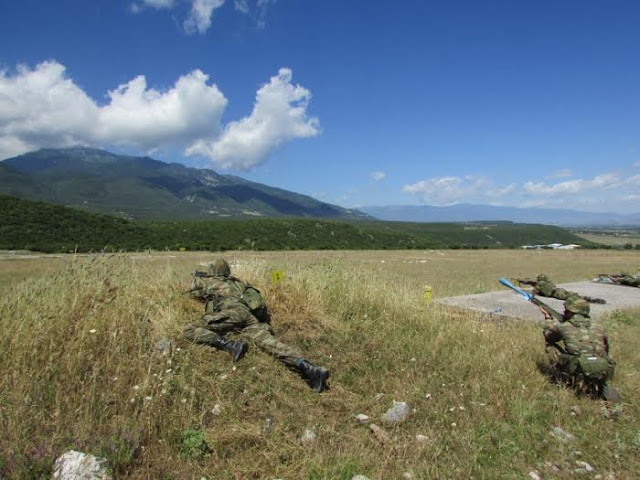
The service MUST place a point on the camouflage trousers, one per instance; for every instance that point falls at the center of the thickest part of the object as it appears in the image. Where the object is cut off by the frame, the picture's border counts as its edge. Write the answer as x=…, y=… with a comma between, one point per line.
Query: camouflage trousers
x=239, y=319
x=562, y=294
x=569, y=366
x=558, y=357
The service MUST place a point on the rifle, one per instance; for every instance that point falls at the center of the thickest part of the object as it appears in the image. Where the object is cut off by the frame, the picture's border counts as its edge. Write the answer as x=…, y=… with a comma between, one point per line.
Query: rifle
x=526, y=281
x=202, y=274
x=532, y=298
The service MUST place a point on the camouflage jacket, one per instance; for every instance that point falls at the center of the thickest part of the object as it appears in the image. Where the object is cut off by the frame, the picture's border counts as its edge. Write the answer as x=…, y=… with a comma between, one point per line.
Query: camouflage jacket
x=580, y=335
x=217, y=291
x=544, y=289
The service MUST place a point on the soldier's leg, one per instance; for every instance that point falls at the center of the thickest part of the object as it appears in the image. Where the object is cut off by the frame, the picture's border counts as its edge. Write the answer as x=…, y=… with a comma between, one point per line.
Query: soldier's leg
x=553, y=352
x=262, y=334
x=601, y=301
x=212, y=326
x=199, y=332
x=562, y=294
x=556, y=359
x=209, y=330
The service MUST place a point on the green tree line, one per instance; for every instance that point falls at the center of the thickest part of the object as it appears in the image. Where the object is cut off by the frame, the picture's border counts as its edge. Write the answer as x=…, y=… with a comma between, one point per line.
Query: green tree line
x=44, y=227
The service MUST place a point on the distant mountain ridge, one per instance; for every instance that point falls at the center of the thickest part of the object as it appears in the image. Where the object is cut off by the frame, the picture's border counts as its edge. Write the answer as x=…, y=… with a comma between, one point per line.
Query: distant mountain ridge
x=474, y=213
x=143, y=188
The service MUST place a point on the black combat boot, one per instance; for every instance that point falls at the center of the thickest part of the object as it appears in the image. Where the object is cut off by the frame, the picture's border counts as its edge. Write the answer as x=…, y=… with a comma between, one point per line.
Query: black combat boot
x=236, y=349
x=601, y=301
x=316, y=377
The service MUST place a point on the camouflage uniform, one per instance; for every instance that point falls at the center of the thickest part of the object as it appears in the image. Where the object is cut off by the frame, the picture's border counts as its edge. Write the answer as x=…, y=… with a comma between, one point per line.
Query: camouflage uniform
x=629, y=280
x=227, y=311
x=544, y=287
x=583, y=359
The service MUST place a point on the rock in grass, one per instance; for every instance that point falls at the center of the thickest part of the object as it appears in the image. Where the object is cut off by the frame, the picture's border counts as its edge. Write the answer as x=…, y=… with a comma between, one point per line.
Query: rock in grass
x=360, y=477
x=164, y=346
x=533, y=475
x=362, y=418
x=308, y=437
x=268, y=425
x=396, y=414
x=561, y=435
x=585, y=466
x=379, y=433
x=73, y=465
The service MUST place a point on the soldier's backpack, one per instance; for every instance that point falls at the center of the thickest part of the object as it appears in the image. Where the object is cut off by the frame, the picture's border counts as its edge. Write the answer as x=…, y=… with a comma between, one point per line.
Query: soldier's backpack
x=596, y=368
x=252, y=298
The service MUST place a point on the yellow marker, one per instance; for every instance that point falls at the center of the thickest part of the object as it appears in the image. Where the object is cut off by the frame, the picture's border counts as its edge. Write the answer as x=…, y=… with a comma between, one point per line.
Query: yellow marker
x=183, y=249
x=428, y=294
x=277, y=276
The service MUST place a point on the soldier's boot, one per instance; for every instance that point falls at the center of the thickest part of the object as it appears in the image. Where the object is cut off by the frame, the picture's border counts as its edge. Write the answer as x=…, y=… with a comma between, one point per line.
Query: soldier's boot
x=236, y=349
x=316, y=377
x=601, y=301
x=610, y=394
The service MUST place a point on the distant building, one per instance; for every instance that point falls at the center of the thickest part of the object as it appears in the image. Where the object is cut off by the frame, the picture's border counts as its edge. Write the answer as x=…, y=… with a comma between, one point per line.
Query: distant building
x=551, y=246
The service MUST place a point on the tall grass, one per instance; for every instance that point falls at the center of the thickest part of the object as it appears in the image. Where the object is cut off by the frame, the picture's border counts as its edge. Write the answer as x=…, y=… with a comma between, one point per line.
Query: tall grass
x=80, y=369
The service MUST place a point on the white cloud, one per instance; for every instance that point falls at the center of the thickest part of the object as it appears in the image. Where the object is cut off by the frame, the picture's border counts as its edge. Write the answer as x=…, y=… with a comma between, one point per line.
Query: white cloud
x=42, y=107
x=563, y=173
x=451, y=190
x=137, y=7
x=241, y=6
x=263, y=6
x=378, y=176
x=159, y=4
x=605, y=181
x=279, y=115
x=199, y=19
x=150, y=119
x=502, y=192
x=635, y=180
x=201, y=12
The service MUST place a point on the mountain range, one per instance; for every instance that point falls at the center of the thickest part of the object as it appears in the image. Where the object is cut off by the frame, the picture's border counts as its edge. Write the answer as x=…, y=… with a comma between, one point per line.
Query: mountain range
x=472, y=213
x=143, y=188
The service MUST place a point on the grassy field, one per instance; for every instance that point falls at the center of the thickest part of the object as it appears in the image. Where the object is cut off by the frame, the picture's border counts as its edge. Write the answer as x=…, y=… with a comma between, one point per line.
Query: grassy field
x=79, y=370
x=613, y=239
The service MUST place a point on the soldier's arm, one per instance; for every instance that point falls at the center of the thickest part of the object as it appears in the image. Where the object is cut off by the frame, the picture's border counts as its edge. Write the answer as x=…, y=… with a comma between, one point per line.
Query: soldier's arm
x=198, y=289
x=551, y=333
x=550, y=330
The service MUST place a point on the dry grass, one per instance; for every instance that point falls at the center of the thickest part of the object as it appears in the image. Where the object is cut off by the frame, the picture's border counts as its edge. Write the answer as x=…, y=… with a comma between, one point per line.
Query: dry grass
x=618, y=240
x=79, y=370
x=17, y=267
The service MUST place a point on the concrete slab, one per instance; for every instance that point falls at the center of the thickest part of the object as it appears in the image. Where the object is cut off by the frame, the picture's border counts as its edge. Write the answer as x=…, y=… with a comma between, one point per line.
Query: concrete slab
x=506, y=303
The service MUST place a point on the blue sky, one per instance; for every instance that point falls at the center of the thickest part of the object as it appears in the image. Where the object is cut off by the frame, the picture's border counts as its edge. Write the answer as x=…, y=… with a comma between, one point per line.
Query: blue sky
x=514, y=102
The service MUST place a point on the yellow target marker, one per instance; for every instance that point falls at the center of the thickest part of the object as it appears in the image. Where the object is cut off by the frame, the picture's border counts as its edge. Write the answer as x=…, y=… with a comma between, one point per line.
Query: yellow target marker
x=428, y=294
x=277, y=276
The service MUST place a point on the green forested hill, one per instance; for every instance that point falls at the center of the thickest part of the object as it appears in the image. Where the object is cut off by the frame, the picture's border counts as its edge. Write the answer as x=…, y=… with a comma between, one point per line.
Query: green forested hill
x=40, y=226
x=142, y=188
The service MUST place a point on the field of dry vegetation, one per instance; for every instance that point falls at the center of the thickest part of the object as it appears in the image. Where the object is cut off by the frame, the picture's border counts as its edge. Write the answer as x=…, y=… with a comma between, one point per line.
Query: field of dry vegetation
x=79, y=370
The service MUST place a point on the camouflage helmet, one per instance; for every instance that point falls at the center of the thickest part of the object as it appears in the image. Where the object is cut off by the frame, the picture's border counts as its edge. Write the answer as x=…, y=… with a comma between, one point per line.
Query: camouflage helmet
x=543, y=277
x=577, y=305
x=220, y=268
